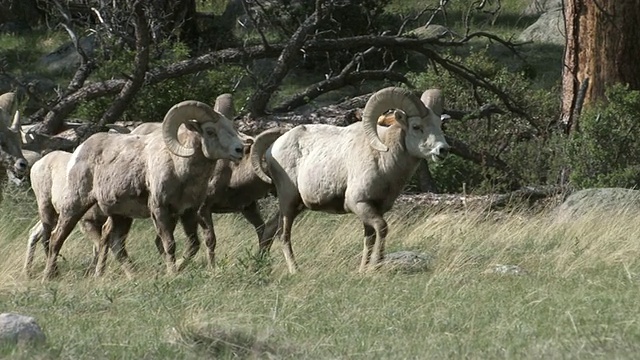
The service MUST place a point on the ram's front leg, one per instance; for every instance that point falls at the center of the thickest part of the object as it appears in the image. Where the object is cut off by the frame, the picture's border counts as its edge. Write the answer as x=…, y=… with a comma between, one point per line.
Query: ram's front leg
x=165, y=223
x=189, y=220
x=206, y=222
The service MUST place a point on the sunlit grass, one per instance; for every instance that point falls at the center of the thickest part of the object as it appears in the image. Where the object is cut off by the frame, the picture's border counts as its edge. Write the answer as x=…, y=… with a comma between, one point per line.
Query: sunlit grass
x=23, y=52
x=578, y=298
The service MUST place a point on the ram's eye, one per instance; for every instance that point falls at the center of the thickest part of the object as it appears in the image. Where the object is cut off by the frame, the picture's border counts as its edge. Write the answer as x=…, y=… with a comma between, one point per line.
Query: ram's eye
x=211, y=133
x=416, y=128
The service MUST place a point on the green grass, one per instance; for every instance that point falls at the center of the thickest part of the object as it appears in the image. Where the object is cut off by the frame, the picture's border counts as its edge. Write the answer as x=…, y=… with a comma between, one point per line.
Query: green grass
x=23, y=52
x=578, y=300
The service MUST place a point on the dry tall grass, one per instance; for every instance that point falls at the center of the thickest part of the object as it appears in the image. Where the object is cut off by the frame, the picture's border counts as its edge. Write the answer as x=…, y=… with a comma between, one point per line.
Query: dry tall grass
x=576, y=299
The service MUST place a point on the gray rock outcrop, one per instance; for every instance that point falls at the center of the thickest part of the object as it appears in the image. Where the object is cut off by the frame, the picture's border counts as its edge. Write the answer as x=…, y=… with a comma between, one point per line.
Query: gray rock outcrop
x=66, y=58
x=537, y=7
x=548, y=29
x=20, y=329
x=587, y=201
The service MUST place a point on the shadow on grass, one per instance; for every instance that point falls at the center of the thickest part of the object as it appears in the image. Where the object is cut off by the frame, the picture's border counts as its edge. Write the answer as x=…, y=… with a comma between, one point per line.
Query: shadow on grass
x=218, y=342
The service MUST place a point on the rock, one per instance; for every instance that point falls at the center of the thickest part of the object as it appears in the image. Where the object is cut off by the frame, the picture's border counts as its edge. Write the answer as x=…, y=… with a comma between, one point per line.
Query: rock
x=408, y=260
x=537, y=7
x=433, y=31
x=549, y=28
x=20, y=329
x=506, y=270
x=65, y=58
x=587, y=201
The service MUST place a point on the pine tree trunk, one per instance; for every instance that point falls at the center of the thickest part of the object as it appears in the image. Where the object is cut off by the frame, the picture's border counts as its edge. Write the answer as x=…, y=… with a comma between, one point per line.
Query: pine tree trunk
x=602, y=49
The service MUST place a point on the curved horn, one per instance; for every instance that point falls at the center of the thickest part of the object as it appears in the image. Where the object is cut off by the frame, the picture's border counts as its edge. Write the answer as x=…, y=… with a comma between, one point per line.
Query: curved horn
x=119, y=128
x=15, y=124
x=259, y=147
x=224, y=105
x=433, y=99
x=179, y=114
x=8, y=102
x=383, y=100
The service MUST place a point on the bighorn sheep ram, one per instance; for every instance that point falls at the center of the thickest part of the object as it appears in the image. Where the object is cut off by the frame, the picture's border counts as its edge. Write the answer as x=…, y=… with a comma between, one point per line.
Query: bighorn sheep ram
x=160, y=175
x=233, y=187
x=360, y=169
x=48, y=177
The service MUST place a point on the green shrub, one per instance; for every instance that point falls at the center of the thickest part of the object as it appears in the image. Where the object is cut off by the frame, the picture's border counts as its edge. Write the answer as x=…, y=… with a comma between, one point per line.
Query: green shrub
x=605, y=152
x=525, y=145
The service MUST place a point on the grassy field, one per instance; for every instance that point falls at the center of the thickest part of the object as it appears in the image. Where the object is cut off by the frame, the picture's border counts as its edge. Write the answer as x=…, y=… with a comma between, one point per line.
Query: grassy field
x=578, y=298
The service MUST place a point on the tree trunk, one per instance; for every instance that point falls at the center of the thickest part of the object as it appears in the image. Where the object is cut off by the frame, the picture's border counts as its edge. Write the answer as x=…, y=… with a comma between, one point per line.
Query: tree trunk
x=601, y=50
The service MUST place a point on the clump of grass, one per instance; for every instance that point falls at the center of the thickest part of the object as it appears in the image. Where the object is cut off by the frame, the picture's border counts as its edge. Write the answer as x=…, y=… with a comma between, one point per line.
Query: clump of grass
x=222, y=341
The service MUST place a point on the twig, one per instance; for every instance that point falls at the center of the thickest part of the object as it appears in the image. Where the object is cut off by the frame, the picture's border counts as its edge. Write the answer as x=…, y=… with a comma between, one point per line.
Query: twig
x=260, y=98
x=255, y=24
x=141, y=63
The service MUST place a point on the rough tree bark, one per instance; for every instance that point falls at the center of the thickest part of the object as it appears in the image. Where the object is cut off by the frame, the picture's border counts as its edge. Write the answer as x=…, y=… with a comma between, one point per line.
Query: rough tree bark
x=602, y=49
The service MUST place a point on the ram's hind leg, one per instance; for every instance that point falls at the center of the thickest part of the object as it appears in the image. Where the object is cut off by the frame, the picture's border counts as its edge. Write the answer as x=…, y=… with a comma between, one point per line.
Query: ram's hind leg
x=63, y=228
x=92, y=228
x=114, y=234
x=253, y=216
x=117, y=240
x=36, y=234
x=272, y=228
x=289, y=211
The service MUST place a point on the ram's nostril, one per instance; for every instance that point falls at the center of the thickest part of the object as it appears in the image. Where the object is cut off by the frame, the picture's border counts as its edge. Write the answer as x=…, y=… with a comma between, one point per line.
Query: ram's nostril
x=444, y=151
x=240, y=150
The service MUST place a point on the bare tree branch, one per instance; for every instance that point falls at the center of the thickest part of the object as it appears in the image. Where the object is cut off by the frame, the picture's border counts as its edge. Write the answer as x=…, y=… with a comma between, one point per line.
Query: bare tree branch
x=254, y=23
x=260, y=98
x=242, y=55
x=141, y=63
x=337, y=82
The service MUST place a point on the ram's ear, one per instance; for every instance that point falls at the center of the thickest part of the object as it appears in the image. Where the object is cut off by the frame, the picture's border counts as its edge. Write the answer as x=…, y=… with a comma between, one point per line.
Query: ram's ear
x=193, y=125
x=401, y=118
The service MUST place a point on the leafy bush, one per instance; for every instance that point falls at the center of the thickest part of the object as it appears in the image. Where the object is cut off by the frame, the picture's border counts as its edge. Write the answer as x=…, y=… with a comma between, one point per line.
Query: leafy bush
x=606, y=150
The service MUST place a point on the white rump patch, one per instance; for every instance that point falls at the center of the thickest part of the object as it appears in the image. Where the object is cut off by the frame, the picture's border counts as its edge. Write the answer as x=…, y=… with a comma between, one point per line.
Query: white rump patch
x=74, y=159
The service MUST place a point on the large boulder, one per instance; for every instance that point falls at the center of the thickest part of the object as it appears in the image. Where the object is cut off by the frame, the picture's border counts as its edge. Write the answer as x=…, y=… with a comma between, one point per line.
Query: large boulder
x=549, y=28
x=65, y=58
x=537, y=7
x=19, y=329
x=588, y=201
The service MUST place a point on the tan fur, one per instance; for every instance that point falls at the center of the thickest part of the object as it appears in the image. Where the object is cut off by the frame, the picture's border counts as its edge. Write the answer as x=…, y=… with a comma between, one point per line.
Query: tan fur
x=224, y=105
x=136, y=176
x=8, y=107
x=48, y=176
x=233, y=187
x=338, y=170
